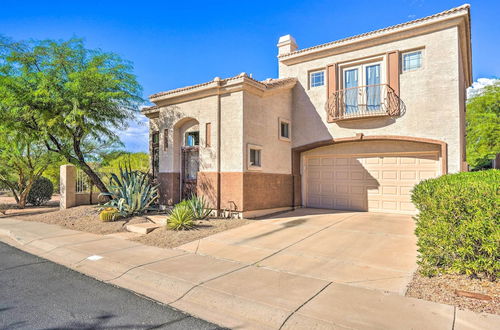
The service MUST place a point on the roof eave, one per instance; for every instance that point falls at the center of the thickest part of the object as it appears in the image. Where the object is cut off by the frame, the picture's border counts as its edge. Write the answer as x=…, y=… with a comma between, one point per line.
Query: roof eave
x=229, y=85
x=362, y=40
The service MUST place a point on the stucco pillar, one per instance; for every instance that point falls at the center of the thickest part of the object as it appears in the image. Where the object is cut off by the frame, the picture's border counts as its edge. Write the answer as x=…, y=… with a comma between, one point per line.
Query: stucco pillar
x=67, y=175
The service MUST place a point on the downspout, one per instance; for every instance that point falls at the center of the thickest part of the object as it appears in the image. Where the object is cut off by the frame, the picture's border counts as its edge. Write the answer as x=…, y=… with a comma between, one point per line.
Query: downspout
x=217, y=80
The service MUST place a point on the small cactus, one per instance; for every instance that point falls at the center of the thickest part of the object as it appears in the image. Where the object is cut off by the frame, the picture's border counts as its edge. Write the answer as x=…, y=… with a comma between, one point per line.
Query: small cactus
x=108, y=214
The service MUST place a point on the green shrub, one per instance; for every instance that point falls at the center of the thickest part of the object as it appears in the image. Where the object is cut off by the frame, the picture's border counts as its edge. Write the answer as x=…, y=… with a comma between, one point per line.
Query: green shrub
x=131, y=193
x=199, y=206
x=109, y=214
x=181, y=217
x=41, y=192
x=458, y=225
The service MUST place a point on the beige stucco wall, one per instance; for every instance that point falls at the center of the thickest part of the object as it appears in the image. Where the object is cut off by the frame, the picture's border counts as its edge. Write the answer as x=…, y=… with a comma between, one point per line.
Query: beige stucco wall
x=261, y=127
x=431, y=94
x=191, y=115
x=231, y=132
x=177, y=119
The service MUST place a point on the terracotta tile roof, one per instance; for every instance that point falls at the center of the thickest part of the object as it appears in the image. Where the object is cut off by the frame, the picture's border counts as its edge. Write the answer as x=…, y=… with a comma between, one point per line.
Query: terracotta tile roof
x=146, y=109
x=393, y=27
x=268, y=83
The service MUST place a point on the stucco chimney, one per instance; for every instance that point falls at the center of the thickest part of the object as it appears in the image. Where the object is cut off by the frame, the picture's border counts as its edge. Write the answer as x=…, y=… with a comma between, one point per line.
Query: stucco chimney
x=286, y=44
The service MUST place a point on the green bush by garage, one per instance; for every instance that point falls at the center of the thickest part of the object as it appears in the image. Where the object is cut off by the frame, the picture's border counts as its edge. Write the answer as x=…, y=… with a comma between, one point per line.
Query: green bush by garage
x=458, y=224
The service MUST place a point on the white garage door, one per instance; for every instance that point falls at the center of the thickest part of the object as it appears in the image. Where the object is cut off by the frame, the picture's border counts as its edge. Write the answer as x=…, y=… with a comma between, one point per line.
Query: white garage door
x=367, y=183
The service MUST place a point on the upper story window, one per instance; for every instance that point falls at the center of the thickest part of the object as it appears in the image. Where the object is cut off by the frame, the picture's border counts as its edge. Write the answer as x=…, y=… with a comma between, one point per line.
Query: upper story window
x=412, y=61
x=192, y=139
x=316, y=78
x=284, y=129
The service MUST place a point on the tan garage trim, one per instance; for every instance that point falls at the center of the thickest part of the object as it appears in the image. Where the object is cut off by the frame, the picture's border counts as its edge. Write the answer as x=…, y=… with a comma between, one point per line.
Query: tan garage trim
x=361, y=137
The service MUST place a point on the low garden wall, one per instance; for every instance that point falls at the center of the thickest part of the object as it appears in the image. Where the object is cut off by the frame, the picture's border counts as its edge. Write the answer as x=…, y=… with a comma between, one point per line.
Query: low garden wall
x=74, y=193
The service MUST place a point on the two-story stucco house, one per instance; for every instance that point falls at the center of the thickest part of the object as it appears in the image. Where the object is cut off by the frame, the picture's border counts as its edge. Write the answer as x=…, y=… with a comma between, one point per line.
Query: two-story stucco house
x=351, y=124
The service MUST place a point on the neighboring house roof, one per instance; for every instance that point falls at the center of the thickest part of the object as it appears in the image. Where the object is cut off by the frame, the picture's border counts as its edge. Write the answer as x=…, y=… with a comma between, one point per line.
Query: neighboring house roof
x=243, y=78
x=394, y=28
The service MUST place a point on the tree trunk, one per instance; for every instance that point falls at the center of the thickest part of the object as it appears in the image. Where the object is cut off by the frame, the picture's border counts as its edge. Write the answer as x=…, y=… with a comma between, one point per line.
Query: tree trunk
x=96, y=180
x=23, y=197
x=22, y=200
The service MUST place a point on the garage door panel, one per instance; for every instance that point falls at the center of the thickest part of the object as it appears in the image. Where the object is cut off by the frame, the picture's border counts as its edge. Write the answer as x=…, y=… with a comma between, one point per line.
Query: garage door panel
x=427, y=174
x=377, y=183
x=357, y=175
x=409, y=175
x=390, y=190
x=358, y=190
x=342, y=175
x=342, y=189
x=313, y=161
x=327, y=161
x=389, y=174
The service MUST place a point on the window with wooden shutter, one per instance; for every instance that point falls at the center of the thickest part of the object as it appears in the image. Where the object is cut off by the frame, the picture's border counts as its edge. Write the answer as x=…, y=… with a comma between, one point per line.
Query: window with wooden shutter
x=393, y=69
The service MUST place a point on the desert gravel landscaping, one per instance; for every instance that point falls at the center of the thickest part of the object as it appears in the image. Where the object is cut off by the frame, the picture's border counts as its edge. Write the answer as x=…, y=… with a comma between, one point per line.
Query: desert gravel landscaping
x=86, y=218
x=82, y=218
x=164, y=238
x=442, y=289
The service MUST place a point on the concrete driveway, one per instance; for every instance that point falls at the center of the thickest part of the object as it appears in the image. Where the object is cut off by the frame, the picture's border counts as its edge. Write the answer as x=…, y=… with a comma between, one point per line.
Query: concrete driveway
x=369, y=250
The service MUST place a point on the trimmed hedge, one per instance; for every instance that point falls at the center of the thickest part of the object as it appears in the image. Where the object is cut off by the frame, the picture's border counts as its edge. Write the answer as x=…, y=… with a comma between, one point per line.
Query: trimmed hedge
x=458, y=225
x=41, y=191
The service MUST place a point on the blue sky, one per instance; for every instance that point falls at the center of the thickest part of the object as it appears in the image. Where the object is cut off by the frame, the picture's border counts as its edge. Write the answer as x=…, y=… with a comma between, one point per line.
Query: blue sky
x=173, y=44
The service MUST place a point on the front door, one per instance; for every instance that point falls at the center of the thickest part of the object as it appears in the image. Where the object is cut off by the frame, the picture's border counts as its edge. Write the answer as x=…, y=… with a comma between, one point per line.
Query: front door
x=190, y=167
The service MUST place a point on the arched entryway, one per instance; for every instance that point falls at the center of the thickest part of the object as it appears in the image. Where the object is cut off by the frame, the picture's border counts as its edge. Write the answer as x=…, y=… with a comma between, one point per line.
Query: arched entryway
x=186, y=144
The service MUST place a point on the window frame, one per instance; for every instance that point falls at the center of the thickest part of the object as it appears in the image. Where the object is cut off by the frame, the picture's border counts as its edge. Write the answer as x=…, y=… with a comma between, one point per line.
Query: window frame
x=361, y=66
x=186, y=134
x=155, y=153
x=311, y=73
x=280, y=135
x=411, y=52
x=250, y=166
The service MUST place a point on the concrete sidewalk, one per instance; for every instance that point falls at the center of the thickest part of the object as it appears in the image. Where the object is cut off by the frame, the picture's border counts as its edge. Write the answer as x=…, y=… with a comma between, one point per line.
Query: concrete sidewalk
x=230, y=293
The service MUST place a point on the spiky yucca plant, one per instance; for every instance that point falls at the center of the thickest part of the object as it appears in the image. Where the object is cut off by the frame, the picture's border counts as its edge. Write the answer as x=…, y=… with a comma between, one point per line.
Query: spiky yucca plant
x=180, y=218
x=131, y=193
x=199, y=206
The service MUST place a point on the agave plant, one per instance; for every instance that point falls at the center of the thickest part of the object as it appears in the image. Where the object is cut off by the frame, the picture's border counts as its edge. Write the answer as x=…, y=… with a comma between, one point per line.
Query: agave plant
x=181, y=217
x=131, y=193
x=199, y=206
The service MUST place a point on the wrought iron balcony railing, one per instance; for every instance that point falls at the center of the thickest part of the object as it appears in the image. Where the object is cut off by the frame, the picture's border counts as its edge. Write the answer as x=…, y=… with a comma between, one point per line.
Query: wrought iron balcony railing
x=362, y=102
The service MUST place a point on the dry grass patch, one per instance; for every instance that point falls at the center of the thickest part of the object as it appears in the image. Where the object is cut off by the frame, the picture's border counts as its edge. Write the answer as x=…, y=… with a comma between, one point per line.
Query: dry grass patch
x=442, y=288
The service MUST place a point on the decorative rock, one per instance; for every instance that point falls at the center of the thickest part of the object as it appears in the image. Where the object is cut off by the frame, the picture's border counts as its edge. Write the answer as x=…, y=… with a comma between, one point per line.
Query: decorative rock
x=142, y=228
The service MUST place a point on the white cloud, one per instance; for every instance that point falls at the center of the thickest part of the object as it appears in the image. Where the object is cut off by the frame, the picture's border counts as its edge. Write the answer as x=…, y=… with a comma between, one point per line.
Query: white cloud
x=479, y=84
x=135, y=137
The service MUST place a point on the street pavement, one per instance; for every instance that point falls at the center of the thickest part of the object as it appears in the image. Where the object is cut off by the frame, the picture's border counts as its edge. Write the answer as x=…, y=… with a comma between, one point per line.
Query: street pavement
x=38, y=294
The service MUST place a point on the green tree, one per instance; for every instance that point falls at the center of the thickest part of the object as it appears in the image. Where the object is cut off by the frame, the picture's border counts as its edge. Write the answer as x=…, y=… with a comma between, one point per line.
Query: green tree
x=22, y=162
x=73, y=98
x=134, y=160
x=483, y=126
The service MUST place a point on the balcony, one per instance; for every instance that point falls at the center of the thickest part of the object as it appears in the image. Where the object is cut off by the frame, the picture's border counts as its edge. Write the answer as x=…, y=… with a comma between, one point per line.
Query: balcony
x=362, y=102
